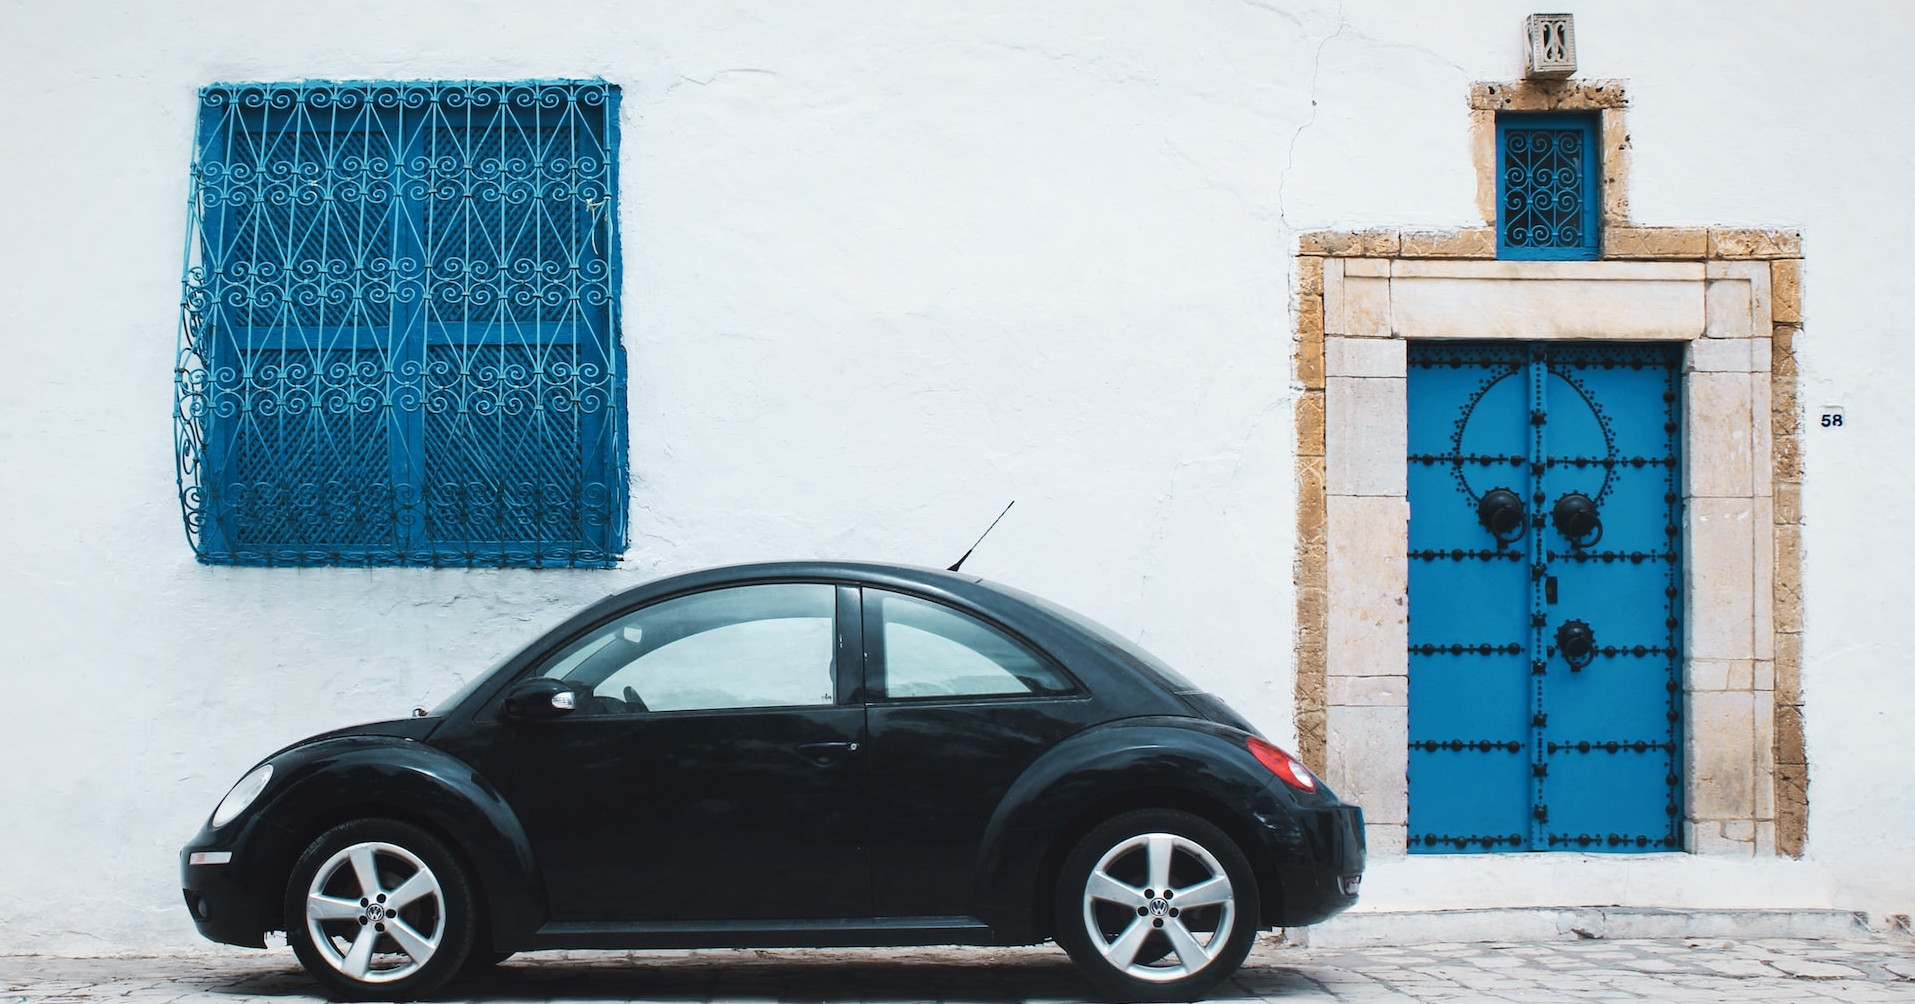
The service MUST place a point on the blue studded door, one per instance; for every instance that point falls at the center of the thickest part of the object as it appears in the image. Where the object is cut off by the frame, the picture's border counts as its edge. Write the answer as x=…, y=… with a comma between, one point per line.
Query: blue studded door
x=1545, y=597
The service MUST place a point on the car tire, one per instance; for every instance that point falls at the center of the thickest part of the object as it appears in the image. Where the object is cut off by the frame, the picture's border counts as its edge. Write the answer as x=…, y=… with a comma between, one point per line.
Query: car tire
x=379, y=909
x=1117, y=908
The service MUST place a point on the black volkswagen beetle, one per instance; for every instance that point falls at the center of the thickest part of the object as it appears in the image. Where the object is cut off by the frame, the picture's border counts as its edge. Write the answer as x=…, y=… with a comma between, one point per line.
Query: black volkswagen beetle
x=780, y=755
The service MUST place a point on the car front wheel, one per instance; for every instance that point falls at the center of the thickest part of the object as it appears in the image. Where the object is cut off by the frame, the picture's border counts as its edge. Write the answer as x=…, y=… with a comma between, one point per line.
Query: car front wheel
x=1156, y=905
x=379, y=909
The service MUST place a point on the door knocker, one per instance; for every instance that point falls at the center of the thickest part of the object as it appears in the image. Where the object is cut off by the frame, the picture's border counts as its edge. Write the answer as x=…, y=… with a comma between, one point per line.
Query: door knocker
x=1577, y=642
x=1576, y=518
x=1501, y=513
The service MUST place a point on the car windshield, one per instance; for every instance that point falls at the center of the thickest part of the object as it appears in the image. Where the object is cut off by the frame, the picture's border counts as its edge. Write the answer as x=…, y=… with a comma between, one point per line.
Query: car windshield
x=1123, y=646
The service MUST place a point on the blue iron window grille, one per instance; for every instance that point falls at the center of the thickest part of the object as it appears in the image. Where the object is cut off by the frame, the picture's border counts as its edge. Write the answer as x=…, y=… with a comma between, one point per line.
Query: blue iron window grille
x=399, y=338
x=1547, y=187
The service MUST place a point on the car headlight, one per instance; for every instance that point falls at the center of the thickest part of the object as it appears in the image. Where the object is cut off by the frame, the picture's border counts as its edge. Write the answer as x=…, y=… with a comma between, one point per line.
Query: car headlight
x=242, y=795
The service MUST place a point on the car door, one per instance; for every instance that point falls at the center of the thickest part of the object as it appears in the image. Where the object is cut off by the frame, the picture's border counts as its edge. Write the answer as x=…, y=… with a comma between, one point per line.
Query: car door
x=958, y=709
x=713, y=768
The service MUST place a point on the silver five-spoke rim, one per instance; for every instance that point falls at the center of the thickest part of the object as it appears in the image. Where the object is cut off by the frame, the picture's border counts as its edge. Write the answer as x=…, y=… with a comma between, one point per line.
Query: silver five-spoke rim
x=1158, y=907
x=375, y=912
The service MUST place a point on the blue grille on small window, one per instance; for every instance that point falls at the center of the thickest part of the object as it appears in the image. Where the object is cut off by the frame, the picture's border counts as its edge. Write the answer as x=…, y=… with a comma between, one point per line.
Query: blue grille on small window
x=1547, y=187
x=399, y=339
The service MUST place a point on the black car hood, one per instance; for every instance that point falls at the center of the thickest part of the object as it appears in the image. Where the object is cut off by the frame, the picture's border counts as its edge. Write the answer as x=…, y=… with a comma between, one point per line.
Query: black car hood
x=415, y=727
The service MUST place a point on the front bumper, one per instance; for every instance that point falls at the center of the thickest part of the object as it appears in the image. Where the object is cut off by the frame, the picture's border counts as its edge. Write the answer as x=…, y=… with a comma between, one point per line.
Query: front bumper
x=230, y=902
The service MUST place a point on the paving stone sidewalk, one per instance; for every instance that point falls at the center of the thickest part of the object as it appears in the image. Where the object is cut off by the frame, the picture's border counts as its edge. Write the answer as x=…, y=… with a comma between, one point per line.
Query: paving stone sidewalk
x=1781, y=970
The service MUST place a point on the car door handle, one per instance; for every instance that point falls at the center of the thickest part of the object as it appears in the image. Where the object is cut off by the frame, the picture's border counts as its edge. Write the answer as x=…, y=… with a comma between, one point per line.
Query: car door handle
x=824, y=754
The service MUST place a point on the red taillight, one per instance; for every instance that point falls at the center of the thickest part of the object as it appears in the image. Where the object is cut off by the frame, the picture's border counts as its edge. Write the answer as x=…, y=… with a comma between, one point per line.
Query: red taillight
x=1282, y=764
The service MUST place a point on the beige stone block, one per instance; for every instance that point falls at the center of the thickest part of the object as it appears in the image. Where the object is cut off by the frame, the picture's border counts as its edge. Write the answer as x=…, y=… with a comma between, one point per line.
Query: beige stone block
x=1762, y=609
x=1788, y=458
x=1720, y=560
x=1730, y=242
x=1365, y=357
x=1730, y=305
x=1720, y=355
x=1788, y=503
x=1310, y=496
x=1721, y=754
x=1654, y=242
x=1310, y=363
x=1721, y=674
x=1712, y=844
x=1764, y=678
x=1756, y=274
x=1787, y=577
x=1759, y=350
x=1540, y=300
x=1718, y=421
x=1764, y=838
x=1762, y=783
x=1366, y=306
x=1788, y=666
x=1383, y=840
x=1349, y=243
x=1472, y=242
x=1782, y=417
x=1598, y=271
x=1309, y=275
x=1788, y=737
x=1310, y=317
x=1366, y=436
x=1310, y=739
x=1378, y=268
x=1333, y=295
x=1310, y=423
x=1785, y=290
x=1368, y=751
x=1543, y=95
x=1615, y=167
x=1782, y=348
x=1367, y=691
x=1482, y=146
x=1368, y=586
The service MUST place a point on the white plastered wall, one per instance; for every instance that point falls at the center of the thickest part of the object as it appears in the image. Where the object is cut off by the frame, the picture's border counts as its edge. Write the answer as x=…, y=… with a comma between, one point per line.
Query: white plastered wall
x=888, y=265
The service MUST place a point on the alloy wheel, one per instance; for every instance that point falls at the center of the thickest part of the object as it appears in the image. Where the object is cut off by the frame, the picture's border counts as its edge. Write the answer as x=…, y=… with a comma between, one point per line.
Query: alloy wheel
x=375, y=912
x=1158, y=907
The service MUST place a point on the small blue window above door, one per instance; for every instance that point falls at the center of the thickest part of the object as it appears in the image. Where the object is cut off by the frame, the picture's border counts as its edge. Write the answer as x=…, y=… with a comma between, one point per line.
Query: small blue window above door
x=1548, y=187
x=399, y=327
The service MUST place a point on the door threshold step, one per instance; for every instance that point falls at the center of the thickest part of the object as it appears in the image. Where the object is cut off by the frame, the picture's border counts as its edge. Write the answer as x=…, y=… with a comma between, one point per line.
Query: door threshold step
x=1573, y=923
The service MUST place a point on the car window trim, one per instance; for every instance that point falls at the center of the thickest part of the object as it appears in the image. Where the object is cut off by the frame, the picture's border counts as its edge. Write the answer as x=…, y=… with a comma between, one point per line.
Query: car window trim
x=877, y=672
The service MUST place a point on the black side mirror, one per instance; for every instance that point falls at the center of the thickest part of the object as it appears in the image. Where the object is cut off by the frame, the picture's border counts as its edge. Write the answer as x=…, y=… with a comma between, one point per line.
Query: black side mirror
x=539, y=699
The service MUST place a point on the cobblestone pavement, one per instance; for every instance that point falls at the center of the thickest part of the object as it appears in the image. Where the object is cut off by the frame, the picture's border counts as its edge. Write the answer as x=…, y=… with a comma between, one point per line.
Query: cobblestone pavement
x=1673, y=970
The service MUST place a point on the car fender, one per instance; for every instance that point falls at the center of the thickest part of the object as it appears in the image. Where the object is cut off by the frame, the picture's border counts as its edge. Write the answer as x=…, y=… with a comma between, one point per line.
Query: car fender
x=319, y=785
x=1115, y=764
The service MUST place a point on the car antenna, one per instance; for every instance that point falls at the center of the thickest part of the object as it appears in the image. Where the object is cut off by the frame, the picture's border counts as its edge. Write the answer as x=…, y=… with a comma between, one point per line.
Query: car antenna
x=980, y=537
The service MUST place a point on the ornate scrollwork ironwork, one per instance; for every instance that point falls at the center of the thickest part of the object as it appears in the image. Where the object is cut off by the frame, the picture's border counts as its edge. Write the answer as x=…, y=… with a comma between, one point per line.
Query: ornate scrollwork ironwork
x=398, y=326
x=1544, y=188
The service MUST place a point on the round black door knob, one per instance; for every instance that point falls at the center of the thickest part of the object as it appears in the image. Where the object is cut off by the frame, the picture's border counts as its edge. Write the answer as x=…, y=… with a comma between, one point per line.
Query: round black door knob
x=1576, y=640
x=1501, y=513
x=1576, y=519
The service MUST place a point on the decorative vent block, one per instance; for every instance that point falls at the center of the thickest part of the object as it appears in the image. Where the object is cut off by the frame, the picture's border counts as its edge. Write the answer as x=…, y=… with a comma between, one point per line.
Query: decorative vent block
x=399, y=328
x=1551, y=47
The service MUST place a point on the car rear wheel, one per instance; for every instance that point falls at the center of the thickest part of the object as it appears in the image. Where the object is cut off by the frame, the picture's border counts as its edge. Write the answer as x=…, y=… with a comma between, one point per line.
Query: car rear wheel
x=1156, y=905
x=378, y=909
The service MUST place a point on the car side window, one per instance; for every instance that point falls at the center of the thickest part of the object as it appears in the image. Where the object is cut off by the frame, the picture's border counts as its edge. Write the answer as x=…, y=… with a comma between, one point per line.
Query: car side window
x=930, y=650
x=744, y=647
